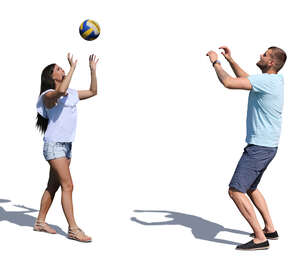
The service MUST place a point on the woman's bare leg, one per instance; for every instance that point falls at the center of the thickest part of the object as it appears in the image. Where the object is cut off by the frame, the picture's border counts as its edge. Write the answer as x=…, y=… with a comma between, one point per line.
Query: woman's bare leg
x=61, y=168
x=47, y=199
x=48, y=196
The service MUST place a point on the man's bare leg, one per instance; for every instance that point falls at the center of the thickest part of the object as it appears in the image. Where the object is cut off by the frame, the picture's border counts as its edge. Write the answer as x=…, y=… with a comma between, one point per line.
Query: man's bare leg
x=246, y=208
x=261, y=205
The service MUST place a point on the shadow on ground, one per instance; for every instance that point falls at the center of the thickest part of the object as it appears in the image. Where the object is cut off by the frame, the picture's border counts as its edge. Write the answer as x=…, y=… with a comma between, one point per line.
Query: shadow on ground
x=201, y=228
x=21, y=218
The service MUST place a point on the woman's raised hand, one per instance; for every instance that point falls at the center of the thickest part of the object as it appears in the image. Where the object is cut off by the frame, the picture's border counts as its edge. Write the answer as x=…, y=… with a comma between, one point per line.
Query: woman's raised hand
x=71, y=62
x=93, y=62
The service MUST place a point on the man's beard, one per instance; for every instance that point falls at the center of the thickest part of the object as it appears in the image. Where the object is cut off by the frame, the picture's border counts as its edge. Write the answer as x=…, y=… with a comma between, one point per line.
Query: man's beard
x=263, y=67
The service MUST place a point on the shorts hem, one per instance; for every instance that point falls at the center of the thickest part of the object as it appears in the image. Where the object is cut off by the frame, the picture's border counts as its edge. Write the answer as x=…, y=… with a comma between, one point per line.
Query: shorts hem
x=57, y=157
x=238, y=188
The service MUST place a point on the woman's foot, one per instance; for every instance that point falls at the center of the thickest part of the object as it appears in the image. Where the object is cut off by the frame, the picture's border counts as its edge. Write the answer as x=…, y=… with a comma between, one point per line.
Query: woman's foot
x=43, y=227
x=77, y=234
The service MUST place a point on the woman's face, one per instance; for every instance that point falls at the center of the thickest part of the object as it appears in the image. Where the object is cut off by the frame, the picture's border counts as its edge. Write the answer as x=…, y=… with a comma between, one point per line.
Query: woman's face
x=58, y=73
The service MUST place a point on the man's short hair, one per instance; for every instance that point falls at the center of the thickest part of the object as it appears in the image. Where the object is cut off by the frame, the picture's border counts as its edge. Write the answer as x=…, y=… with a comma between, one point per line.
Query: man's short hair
x=279, y=57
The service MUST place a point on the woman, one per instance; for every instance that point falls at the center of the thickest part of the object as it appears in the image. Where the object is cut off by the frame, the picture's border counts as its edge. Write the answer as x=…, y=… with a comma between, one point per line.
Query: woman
x=57, y=118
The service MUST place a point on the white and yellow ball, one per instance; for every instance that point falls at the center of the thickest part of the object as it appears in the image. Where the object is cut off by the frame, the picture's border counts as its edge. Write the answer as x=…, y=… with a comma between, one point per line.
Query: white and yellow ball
x=89, y=30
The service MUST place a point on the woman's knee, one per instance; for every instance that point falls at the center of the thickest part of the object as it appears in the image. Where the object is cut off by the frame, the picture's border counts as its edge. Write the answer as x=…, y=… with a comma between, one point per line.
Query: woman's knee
x=52, y=188
x=60, y=167
x=67, y=186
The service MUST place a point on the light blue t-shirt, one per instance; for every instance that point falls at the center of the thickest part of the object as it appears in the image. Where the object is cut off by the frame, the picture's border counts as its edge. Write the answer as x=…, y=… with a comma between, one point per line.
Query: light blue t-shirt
x=62, y=117
x=264, y=109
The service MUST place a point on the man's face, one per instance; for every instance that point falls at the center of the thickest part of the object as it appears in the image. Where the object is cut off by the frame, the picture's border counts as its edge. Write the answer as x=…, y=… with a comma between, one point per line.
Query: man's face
x=265, y=61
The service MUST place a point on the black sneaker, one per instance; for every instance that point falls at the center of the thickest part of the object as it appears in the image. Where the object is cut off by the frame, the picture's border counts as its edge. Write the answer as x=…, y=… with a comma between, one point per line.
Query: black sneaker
x=272, y=236
x=252, y=246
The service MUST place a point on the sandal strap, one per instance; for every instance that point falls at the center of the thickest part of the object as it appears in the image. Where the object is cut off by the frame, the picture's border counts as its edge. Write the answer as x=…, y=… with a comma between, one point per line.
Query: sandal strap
x=77, y=234
x=40, y=223
x=75, y=231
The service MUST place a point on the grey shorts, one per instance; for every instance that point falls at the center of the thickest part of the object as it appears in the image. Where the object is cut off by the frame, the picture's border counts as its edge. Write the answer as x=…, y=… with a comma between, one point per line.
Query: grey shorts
x=251, y=167
x=54, y=150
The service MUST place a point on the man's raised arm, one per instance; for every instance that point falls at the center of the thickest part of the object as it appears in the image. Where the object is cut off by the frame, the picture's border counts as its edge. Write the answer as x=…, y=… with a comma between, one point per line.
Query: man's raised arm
x=228, y=81
x=238, y=71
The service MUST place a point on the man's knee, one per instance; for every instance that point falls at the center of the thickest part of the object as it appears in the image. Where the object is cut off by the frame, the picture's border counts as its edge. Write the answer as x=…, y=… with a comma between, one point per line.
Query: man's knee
x=233, y=193
x=251, y=191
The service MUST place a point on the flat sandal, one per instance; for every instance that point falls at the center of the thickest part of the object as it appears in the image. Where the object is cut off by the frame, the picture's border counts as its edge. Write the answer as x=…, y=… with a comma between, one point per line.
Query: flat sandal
x=73, y=233
x=40, y=227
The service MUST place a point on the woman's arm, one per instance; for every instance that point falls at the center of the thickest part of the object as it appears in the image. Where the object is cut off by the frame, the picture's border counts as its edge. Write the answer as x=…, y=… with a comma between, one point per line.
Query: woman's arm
x=85, y=94
x=51, y=97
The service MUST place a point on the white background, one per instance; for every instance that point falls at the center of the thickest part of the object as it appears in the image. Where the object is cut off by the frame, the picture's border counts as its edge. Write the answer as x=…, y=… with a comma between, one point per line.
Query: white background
x=162, y=134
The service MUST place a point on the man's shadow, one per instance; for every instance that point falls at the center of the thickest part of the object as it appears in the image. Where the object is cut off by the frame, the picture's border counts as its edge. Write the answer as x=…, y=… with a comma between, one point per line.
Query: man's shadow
x=201, y=228
x=21, y=218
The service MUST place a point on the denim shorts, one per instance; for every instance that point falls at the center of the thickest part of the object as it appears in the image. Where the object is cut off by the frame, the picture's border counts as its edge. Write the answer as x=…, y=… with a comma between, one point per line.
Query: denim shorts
x=54, y=150
x=251, y=167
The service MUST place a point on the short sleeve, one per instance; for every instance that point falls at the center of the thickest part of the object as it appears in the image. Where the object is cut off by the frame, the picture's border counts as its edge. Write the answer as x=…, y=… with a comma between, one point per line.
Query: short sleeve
x=74, y=96
x=260, y=83
x=41, y=109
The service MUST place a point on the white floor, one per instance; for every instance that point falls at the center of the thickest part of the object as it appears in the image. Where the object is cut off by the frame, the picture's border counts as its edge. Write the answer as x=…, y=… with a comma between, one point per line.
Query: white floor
x=168, y=217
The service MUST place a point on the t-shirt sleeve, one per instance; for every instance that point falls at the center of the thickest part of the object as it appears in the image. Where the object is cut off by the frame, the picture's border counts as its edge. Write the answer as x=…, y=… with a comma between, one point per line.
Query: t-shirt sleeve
x=260, y=83
x=75, y=97
x=41, y=109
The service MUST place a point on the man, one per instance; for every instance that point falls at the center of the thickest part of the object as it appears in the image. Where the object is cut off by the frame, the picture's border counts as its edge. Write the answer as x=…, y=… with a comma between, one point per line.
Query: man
x=263, y=131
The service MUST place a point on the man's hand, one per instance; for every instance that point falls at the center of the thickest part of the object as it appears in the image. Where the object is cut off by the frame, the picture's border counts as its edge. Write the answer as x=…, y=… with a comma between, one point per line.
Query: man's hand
x=226, y=53
x=238, y=71
x=213, y=56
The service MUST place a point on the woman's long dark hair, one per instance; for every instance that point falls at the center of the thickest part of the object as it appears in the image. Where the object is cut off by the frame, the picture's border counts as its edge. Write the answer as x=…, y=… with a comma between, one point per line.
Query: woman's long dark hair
x=46, y=83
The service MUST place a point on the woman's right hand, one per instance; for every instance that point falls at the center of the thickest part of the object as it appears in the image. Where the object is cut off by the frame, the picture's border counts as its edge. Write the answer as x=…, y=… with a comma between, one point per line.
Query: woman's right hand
x=93, y=62
x=71, y=62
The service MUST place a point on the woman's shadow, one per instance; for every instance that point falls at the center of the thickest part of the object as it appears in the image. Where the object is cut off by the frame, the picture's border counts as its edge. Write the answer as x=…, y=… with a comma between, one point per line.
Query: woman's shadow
x=201, y=228
x=21, y=218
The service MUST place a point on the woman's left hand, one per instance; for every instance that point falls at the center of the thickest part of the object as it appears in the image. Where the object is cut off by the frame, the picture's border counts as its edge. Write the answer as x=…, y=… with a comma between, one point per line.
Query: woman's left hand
x=71, y=62
x=93, y=62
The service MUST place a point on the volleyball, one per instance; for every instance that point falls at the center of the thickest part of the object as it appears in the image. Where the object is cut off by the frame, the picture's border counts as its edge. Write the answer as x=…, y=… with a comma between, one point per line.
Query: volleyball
x=89, y=30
